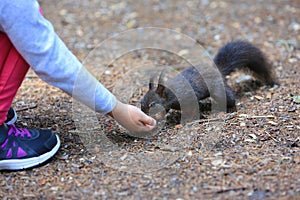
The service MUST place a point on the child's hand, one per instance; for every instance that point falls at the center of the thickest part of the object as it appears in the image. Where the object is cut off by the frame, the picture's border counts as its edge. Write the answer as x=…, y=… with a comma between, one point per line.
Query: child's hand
x=132, y=118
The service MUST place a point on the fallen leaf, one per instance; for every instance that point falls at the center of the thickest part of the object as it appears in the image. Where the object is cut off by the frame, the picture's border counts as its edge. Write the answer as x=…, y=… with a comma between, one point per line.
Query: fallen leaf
x=178, y=126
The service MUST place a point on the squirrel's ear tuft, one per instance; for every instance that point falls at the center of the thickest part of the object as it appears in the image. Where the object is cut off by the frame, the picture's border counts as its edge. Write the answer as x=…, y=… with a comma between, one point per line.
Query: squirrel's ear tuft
x=151, y=83
x=161, y=89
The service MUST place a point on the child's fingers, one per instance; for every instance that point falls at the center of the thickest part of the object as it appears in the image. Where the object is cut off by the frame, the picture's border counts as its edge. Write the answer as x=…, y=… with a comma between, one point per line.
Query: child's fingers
x=147, y=120
x=150, y=121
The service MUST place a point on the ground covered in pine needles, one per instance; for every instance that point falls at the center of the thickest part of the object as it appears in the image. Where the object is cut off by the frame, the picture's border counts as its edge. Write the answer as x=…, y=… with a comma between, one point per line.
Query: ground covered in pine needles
x=252, y=153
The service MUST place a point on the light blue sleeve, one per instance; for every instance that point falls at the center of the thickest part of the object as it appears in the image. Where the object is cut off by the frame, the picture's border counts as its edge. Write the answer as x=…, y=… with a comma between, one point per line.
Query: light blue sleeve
x=34, y=37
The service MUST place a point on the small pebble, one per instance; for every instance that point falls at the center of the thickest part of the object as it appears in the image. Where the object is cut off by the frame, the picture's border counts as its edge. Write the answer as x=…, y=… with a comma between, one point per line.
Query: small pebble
x=294, y=26
x=190, y=153
x=242, y=124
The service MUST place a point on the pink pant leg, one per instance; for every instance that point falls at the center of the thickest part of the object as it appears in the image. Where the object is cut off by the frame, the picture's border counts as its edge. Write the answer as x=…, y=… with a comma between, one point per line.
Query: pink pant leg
x=13, y=69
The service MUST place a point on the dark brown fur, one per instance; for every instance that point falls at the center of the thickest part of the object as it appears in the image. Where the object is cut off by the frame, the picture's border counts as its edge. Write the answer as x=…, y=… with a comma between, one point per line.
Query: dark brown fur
x=234, y=55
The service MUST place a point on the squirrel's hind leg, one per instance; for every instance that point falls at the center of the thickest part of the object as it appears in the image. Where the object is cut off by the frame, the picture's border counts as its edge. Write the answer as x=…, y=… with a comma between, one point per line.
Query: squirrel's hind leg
x=230, y=99
x=221, y=104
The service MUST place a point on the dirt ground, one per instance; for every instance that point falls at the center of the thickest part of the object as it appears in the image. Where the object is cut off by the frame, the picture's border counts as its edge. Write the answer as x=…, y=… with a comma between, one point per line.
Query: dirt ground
x=253, y=153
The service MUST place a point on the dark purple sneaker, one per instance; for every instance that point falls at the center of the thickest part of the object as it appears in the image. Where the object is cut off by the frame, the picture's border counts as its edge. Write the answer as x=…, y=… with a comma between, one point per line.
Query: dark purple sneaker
x=11, y=117
x=25, y=148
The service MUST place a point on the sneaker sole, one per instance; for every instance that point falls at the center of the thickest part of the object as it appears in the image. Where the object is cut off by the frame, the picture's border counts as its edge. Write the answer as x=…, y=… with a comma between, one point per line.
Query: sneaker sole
x=19, y=164
x=13, y=120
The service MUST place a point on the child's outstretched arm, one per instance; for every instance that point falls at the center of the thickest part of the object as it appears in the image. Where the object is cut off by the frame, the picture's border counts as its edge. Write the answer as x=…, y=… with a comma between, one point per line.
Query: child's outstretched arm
x=35, y=39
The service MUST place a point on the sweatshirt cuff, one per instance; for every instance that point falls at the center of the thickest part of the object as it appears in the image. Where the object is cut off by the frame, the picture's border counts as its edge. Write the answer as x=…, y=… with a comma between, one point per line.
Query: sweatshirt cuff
x=111, y=104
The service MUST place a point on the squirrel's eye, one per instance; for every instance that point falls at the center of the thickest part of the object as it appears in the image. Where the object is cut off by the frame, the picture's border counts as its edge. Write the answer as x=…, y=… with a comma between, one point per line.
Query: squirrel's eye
x=152, y=104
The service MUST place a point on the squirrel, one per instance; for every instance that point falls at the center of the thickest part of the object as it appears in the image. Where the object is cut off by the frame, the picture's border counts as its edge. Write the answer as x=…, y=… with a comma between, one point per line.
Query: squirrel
x=233, y=55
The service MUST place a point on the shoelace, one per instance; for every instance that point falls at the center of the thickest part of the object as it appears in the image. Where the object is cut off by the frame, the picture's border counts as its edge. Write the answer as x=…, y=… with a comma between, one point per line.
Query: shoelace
x=18, y=131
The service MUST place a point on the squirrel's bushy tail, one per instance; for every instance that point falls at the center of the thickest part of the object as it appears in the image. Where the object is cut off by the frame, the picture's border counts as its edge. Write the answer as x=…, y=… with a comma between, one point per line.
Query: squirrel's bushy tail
x=241, y=54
